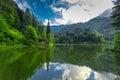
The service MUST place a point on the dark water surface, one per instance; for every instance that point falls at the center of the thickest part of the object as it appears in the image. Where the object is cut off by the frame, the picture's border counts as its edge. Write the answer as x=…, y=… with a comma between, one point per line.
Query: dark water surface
x=61, y=62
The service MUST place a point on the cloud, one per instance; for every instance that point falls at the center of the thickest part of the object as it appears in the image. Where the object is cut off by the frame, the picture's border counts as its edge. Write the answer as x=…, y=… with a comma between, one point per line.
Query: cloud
x=46, y=21
x=107, y=13
x=71, y=1
x=23, y=4
x=55, y=9
x=59, y=71
x=81, y=10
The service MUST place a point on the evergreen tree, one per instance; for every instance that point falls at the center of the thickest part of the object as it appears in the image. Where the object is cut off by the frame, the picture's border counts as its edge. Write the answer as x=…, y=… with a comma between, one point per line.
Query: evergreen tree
x=48, y=31
x=48, y=28
x=116, y=24
x=27, y=17
x=1, y=1
x=116, y=15
x=17, y=26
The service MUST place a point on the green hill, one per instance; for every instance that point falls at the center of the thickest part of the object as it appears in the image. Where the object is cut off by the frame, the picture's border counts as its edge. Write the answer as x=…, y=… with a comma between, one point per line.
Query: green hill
x=93, y=31
x=17, y=26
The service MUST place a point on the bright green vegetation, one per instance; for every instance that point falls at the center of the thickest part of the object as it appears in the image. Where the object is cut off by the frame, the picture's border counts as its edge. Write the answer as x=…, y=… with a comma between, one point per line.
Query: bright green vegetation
x=21, y=63
x=95, y=31
x=116, y=24
x=19, y=27
x=49, y=35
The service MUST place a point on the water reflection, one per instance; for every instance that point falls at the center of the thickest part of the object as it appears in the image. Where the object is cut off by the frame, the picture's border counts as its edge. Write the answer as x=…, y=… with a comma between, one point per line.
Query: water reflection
x=97, y=57
x=59, y=71
x=64, y=62
x=20, y=63
x=117, y=62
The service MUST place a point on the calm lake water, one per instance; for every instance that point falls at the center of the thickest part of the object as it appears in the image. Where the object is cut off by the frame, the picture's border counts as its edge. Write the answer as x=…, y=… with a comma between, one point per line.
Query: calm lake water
x=61, y=62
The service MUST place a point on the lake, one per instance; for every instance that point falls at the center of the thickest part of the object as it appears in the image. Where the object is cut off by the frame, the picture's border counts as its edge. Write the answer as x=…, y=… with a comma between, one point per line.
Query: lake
x=61, y=62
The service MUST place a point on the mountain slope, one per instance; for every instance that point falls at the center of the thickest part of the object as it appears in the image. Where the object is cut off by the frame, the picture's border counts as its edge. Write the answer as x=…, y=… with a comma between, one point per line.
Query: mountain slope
x=17, y=26
x=99, y=25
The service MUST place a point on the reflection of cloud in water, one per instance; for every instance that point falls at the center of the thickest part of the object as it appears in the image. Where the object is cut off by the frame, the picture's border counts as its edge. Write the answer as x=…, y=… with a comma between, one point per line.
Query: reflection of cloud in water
x=104, y=76
x=59, y=71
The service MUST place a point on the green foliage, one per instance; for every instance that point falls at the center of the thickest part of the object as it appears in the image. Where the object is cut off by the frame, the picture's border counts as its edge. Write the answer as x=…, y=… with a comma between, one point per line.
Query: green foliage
x=41, y=29
x=21, y=63
x=116, y=41
x=31, y=35
x=27, y=17
x=116, y=58
x=99, y=24
x=97, y=57
x=74, y=35
x=50, y=39
x=49, y=35
x=116, y=25
x=18, y=27
x=8, y=34
x=48, y=29
x=116, y=22
x=97, y=30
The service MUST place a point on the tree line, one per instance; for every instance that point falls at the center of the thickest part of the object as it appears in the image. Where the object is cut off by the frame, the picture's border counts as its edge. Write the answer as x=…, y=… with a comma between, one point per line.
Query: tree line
x=73, y=35
x=18, y=26
x=116, y=25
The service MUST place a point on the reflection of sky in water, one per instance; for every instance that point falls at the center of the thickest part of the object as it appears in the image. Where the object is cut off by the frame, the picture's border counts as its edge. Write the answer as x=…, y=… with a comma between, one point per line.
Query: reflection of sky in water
x=59, y=71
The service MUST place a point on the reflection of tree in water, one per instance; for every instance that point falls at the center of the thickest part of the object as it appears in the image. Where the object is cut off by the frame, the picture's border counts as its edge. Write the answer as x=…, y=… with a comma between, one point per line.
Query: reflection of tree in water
x=79, y=52
x=21, y=63
x=117, y=61
x=93, y=56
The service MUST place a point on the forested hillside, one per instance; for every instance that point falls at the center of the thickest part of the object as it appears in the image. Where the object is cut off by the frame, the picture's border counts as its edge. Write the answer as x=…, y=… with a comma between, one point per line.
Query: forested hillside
x=116, y=25
x=17, y=26
x=93, y=31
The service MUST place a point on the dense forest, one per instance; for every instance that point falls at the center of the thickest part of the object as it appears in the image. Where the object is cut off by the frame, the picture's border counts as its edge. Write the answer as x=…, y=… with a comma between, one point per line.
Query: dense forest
x=77, y=35
x=96, y=30
x=18, y=26
x=116, y=25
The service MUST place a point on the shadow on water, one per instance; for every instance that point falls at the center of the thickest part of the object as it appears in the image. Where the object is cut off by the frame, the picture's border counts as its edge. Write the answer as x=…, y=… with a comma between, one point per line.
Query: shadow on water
x=21, y=63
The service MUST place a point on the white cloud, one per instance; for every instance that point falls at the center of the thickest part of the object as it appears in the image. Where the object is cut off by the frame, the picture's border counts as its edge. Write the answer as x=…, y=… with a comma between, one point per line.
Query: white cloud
x=104, y=76
x=46, y=21
x=23, y=5
x=71, y=1
x=57, y=9
x=81, y=10
x=59, y=71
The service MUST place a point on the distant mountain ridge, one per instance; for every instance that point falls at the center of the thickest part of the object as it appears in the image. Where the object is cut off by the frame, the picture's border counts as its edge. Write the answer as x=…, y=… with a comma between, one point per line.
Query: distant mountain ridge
x=106, y=14
x=100, y=24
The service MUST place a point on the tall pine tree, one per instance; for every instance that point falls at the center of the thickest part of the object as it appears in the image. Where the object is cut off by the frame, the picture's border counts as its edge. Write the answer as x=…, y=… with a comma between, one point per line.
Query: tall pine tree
x=116, y=24
x=48, y=31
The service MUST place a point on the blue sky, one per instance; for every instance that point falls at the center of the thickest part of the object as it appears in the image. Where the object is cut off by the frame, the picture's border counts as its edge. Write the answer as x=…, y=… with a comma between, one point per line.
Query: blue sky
x=65, y=11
